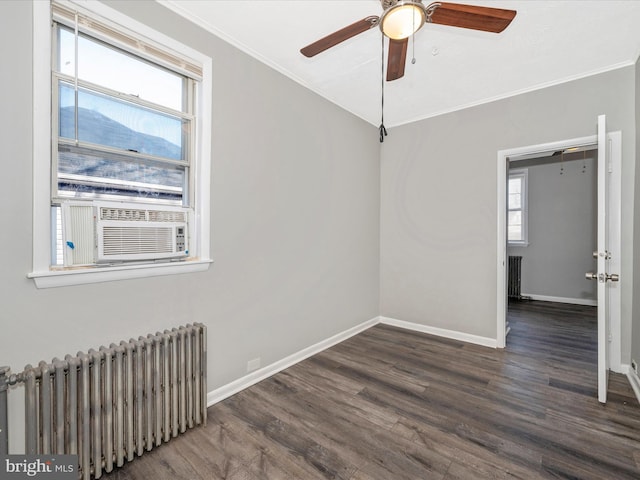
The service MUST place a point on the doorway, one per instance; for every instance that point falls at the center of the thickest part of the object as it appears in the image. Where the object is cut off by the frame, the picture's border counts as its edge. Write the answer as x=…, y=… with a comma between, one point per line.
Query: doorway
x=552, y=225
x=534, y=151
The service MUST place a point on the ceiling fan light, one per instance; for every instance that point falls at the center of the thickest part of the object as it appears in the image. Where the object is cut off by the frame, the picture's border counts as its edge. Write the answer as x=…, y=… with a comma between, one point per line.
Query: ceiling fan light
x=402, y=20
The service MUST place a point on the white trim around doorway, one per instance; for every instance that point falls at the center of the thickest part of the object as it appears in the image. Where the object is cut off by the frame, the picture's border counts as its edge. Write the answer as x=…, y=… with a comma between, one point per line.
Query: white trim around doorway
x=502, y=172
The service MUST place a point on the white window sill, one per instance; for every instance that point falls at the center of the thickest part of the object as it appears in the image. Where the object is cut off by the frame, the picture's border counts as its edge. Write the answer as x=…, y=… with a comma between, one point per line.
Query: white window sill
x=517, y=244
x=81, y=276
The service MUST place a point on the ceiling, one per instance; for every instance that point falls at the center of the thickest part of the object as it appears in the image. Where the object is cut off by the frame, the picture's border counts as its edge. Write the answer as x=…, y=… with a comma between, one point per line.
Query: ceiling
x=548, y=42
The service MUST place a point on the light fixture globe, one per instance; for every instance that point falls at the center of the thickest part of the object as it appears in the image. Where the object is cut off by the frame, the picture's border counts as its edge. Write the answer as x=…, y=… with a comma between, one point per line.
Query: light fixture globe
x=402, y=18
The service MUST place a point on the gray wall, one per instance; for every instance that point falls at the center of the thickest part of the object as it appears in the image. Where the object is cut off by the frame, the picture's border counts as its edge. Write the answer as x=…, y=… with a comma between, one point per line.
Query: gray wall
x=295, y=221
x=635, y=349
x=439, y=206
x=563, y=220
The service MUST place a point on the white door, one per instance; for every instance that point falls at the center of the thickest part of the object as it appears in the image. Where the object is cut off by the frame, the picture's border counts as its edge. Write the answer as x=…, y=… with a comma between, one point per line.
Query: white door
x=609, y=242
x=603, y=255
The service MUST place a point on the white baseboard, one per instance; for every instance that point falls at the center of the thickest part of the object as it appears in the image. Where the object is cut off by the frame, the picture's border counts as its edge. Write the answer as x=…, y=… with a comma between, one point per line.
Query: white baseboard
x=634, y=380
x=252, y=378
x=441, y=332
x=574, y=301
x=256, y=376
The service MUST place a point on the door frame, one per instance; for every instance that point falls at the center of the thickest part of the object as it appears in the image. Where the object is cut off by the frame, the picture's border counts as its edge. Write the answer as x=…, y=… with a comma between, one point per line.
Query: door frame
x=615, y=158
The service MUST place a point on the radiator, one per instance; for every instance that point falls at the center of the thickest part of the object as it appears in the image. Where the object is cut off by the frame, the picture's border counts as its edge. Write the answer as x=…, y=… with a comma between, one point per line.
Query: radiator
x=112, y=404
x=515, y=277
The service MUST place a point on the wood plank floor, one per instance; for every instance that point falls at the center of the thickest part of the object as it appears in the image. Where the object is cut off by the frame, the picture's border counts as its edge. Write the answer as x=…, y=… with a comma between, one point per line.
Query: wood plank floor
x=391, y=404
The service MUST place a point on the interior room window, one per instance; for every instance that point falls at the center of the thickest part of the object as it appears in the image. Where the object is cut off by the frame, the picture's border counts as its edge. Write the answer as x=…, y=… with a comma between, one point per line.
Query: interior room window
x=129, y=143
x=517, y=206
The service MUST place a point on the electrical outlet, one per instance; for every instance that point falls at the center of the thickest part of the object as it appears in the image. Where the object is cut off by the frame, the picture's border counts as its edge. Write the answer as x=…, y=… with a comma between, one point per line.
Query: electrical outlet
x=253, y=364
x=634, y=365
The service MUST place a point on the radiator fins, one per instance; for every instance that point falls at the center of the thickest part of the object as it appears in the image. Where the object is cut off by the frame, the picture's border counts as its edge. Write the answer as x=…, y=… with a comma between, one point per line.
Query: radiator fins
x=109, y=405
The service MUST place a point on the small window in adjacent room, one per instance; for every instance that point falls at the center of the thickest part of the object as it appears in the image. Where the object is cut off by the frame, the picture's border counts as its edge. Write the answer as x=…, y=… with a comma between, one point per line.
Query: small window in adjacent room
x=517, y=206
x=129, y=147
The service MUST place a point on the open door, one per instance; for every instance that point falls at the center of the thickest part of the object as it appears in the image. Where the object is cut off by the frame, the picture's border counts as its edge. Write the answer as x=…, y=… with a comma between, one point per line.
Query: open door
x=603, y=255
x=608, y=252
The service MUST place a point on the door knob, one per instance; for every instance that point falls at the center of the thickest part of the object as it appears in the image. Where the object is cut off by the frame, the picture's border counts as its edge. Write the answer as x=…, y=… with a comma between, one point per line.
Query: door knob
x=612, y=277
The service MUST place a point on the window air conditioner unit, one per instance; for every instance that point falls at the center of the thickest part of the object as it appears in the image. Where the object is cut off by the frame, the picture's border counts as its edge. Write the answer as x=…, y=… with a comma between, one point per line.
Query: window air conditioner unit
x=104, y=232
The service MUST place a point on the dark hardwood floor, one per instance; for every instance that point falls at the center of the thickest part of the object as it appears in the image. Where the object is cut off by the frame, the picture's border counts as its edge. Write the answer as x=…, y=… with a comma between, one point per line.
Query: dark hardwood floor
x=392, y=404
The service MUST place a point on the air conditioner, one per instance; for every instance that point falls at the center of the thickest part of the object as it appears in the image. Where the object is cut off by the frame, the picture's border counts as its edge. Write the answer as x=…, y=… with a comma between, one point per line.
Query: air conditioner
x=106, y=232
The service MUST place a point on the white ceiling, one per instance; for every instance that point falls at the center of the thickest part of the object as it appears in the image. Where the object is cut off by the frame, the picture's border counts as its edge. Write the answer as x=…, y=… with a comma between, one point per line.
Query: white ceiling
x=548, y=42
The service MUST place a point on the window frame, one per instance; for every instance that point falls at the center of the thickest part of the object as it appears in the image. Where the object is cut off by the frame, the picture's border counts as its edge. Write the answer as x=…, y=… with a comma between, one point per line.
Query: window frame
x=523, y=174
x=119, y=43
x=43, y=273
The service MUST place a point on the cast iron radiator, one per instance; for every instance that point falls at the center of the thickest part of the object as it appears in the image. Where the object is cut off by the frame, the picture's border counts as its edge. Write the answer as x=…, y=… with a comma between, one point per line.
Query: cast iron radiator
x=112, y=404
x=515, y=277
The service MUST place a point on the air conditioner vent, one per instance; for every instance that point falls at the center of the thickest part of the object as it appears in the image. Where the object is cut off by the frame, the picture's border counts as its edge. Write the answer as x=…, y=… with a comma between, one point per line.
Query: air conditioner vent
x=167, y=216
x=137, y=240
x=142, y=215
x=123, y=214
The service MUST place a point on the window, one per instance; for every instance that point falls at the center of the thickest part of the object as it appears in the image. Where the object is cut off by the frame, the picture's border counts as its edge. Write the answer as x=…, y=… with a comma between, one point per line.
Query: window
x=121, y=132
x=129, y=126
x=517, y=205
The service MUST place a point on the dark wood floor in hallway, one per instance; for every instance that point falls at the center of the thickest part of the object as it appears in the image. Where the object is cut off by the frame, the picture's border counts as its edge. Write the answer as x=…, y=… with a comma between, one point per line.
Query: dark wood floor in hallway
x=392, y=404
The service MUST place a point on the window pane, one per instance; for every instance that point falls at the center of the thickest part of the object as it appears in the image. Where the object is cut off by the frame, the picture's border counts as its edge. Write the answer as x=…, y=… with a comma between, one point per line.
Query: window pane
x=514, y=233
x=515, y=201
x=515, y=218
x=66, y=52
x=514, y=228
x=515, y=185
x=82, y=173
x=66, y=111
x=107, y=121
x=104, y=65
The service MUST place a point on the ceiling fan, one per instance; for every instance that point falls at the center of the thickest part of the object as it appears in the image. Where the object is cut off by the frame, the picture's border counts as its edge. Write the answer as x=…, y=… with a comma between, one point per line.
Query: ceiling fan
x=402, y=18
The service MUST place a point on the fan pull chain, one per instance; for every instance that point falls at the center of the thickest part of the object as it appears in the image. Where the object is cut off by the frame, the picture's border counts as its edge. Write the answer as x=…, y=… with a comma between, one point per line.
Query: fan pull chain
x=383, y=130
x=413, y=40
x=413, y=49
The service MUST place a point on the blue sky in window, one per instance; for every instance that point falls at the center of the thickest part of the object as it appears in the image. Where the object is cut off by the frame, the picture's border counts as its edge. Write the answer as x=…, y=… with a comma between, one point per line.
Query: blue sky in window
x=119, y=71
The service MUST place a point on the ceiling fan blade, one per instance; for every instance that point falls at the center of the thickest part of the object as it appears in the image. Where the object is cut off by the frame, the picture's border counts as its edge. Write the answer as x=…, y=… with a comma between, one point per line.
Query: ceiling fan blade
x=340, y=36
x=397, y=58
x=474, y=17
